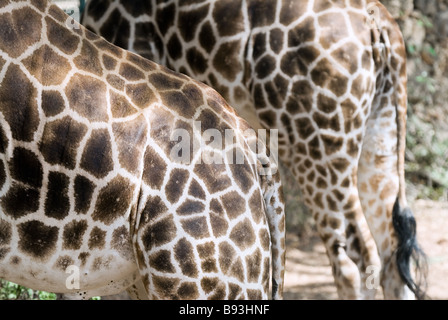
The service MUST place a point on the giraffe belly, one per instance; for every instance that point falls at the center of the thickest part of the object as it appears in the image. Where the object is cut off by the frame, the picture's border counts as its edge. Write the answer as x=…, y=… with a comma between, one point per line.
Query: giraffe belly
x=108, y=274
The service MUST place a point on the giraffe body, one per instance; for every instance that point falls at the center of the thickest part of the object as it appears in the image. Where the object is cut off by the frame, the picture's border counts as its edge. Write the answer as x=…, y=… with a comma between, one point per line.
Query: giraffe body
x=331, y=77
x=91, y=189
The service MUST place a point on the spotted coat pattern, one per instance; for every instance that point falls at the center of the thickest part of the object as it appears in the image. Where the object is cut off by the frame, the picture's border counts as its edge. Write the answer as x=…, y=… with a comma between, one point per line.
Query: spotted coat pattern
x=88, y=177
x=329, y=75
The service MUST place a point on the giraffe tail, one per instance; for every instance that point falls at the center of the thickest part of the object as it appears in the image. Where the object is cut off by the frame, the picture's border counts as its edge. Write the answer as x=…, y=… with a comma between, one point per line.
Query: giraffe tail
x=275, y=214
x=408, y=250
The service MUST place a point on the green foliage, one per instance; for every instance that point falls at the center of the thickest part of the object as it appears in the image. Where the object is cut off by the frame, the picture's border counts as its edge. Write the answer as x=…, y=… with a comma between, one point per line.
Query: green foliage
x=13, y=291
x=427, y=154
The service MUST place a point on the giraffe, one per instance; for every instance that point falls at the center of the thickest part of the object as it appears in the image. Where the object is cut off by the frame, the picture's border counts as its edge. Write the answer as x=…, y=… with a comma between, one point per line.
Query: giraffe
x=330, y=75
x=97, y=193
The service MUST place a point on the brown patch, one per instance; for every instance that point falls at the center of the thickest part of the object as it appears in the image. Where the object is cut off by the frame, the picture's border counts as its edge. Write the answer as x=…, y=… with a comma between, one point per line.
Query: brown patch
x=234, y=291
x=261, y=13
x=18, y=104
x=37, y=239
x=97, y=239
x=62, y=263
x=196, y=61
x=165, y=287
x=19, y=30
x=120, y=106
x=180, y=103
x=242, y=173
x=116, y=82
x=209, y=284
x=159, y=233
x=5, y=232
x=48, y=67
x=388, y=190
x=130, y=73
x=102, y=263
x=61, y=37
x=237, y=270
x=153, y=209
x=253, y=264
x=26, y=167
x=326, y=76
x=206, y=37
x=227, y=255
x=188, y=21
x=291, y=10
x=332, y=144
x=140, y=94
x=228, y=18
x=311, y=176
x=83, y=194
x=226, y=60
x=109, y=62
x=188, y=291
x=57, y=202
x=375, y=181
x=218, y=219
x=214, y=176
x=303, y=32
x=89, y=59
x=184, y=254
x=87, y=96
x=176, y=184
x=20, y=201
x=195, y=190
x=276, y=40
x=304, y=127
x=256, y=205
x=265, y=239
x=196, y=227
x=206, y=253
x=121, y=242
x=340, y=164
x=52, y=102
x=106, y=46
x=154, y=169
x=234, y=204
x=83, y=256
x=357, y=89
x=253, y=294
x=190, y=207
x=163, y=81
x=318, y=200
x=161, y=261
x=314, y=148
x=97, y=155
x=60, y=141
x=73, y=234
x=243, y=234
x=114, y=200
x=130, y=138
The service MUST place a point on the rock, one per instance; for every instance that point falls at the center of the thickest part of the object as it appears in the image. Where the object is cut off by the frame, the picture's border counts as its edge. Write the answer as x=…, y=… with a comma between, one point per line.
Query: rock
x=427, y=7
x=442, y=24
x=414, y=33
x=399, y=8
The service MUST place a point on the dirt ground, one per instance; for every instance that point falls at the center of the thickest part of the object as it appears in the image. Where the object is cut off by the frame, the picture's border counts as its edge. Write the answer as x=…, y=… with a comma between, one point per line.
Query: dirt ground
x=308, y=274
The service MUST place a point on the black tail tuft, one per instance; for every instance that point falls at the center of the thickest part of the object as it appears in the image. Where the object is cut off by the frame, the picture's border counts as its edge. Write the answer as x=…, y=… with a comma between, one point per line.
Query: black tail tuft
x=408, y=249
